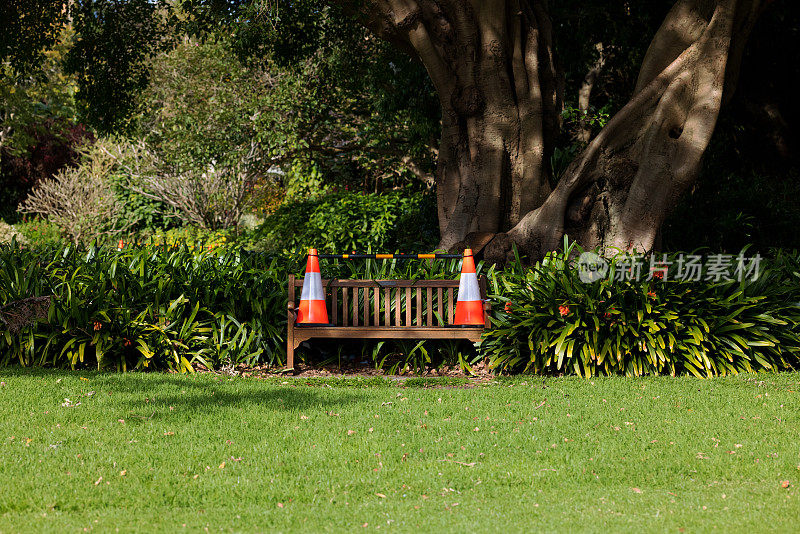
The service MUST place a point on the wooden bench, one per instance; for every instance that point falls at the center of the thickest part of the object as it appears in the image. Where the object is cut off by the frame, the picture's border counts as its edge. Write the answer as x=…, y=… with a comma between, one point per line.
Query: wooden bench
x=372, y=309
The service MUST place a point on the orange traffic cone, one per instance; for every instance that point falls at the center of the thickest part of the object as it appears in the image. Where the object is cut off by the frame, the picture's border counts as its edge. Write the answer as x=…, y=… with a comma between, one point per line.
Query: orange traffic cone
x=469, y=308
x=312, y=300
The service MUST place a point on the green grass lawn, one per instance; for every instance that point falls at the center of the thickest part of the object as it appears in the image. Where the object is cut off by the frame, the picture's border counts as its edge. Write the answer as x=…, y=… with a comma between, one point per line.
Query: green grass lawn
x=160, y=452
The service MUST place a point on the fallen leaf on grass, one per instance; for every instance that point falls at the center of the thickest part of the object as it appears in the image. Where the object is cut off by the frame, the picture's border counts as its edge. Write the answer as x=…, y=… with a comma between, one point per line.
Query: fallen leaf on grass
x=98, y=481
x=280, y=505
x=785, y=484
x=470, y=464
x=86, y=379
x=169, y=433
x=351, y=432
x=381, y=495
x=123, y=473
x=636, y=490
x=304, y=417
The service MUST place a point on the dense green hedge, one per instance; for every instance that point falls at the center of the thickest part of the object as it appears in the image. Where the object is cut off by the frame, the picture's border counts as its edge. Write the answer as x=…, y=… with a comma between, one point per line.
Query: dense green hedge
x=140, y=308
x=552, y=322
x=168, y=308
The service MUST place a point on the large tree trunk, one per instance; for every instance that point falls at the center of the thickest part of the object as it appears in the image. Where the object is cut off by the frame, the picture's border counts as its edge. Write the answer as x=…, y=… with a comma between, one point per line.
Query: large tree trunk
x=618, y=192
x=491, y=62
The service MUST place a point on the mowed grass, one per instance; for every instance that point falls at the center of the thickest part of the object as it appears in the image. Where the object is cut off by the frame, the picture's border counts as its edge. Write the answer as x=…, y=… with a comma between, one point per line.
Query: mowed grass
x=160, y=452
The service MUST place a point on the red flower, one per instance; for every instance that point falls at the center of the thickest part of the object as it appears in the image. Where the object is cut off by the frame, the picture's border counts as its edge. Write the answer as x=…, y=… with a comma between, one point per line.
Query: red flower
x=508, y=307
x=563, y=310
x=97, y=325
x=606, y=315
x=127, y=342
x=651, y=294
x=658, y=274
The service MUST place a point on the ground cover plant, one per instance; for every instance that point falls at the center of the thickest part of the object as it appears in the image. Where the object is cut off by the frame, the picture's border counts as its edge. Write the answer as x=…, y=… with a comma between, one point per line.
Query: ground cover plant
x=552, y=322
x=216, y=304
x=145, y=451
x=148, y=307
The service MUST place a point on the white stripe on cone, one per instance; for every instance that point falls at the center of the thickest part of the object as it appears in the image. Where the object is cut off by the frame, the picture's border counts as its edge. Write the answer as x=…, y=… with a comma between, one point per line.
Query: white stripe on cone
x=468, y=287
x=312, y=287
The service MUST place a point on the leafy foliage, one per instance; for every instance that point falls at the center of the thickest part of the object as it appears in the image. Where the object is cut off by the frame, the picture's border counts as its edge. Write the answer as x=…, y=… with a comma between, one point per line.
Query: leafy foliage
x=109, y=58
x=345, y=221
x=40, y=233
x=144, y=308
x=554, y=323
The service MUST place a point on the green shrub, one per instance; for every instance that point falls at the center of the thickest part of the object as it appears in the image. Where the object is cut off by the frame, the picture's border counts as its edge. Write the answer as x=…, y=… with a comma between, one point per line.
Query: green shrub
x=144, y=308
x=548, y=321
x=138, y=213
x=341, y=222
x=40, y=232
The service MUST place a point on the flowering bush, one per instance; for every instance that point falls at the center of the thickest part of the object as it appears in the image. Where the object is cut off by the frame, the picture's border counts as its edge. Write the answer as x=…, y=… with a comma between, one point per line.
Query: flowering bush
x=146, y=307
x=555, y=323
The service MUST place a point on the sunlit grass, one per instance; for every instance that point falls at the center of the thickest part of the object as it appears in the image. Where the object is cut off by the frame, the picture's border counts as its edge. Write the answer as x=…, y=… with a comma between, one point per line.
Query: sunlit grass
x=155, y=452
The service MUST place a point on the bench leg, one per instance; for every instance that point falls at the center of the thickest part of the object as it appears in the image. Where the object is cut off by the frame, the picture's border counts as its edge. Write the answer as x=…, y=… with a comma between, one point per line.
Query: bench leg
x=290, y=353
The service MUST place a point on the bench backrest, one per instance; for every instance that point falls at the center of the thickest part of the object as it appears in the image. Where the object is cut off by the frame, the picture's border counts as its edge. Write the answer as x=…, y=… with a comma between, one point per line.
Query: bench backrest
x=397, y=303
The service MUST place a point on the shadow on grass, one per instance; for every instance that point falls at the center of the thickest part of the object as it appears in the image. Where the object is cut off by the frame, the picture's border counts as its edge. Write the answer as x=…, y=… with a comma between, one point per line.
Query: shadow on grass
x=169, y=395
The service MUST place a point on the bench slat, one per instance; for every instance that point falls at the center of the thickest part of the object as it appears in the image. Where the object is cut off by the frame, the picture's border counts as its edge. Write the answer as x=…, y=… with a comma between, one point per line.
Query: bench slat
x=335, y=305
x=440, y=303
x=387, y=308
x=383, y=332
x=377, y=302
x=450, y=305
x=408, y=306
x=419, y=307
x=355, y=306
x=429, y=306
x=397, y=306
x=368, y=306
x=344, y=307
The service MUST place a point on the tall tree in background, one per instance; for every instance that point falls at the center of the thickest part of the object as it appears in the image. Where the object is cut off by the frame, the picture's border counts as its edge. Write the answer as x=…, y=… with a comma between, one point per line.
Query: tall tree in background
x=493, y=66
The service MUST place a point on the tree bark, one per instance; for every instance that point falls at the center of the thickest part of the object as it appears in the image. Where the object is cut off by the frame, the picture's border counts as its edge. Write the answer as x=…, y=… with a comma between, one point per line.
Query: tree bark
x=618, y=192
x=491, y=62
x=585, y=92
